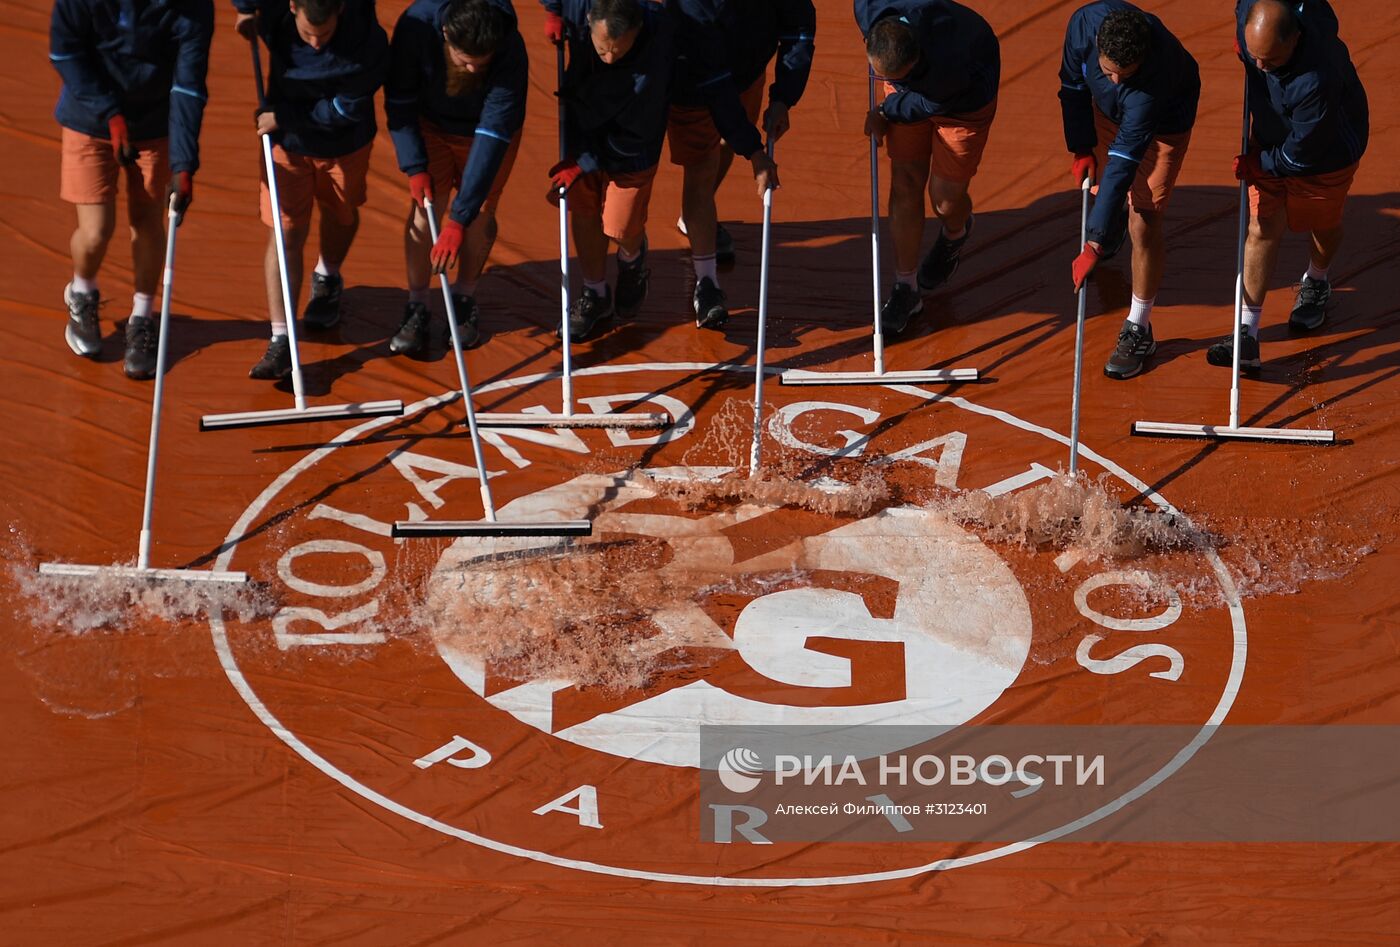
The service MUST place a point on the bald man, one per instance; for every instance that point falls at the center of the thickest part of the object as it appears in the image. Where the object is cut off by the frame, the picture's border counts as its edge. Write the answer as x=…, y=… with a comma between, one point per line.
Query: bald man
x=1309, y=128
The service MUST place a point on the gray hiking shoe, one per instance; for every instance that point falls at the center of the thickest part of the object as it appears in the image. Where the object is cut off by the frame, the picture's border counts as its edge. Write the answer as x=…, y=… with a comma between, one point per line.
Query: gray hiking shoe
x=1223, y=353
x=903, y=305
x=467, y=329
x=323, y=308
x=276, y=361
x=83, y=332
x=413, y=330
x=1310, y=308
x=1135, y=347
x=142, y=336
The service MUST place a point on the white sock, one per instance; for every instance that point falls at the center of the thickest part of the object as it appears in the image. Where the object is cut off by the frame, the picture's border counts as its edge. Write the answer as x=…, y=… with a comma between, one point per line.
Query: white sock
x=906, y=278
x=140, y=305
x=600, y=287
x=464, y=287
x=279, y=329
x=1250, y=317
x=1140, y=312
x=418, y=296
x=326, y=269
x=624, y=257
x=81, y=285
x=1315, y=272
x=705, y=266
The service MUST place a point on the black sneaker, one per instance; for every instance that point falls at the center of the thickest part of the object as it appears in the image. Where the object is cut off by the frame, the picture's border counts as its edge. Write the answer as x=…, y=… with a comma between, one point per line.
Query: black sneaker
x=323, y=308
x=587, y=310
x=83, y=332
x=413, y=330
x=1135, y=347
x=1222, y=353
x=142, y=335
x=724, y=245
x=632, y=280
x=1310, y=308
x=1117, y=234
x=904, y=304
x=276, y=361
x=710, y=309
x=942, y=260
x=467, y=330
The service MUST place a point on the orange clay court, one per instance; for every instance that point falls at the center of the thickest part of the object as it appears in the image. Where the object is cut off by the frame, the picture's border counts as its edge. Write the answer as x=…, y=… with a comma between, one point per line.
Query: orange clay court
x=407, y=741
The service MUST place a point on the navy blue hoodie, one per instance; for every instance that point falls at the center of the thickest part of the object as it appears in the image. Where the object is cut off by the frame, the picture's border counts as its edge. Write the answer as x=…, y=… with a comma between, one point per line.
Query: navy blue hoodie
x=1159, y=99
x=144, y=60
x=726, y=45
x=491, y=113
x=323, y=99
x=616, y=114
x=1310, y=116
x=959, y=64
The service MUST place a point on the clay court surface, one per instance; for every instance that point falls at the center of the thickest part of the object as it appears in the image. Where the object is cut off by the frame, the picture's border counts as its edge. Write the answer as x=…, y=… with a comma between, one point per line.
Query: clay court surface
x=229, y=778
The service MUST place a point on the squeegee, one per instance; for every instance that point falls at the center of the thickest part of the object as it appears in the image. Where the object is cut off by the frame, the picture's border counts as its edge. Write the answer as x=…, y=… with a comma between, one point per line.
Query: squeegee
x=301, y=412
x=1232, y=431
x=879, y=376
x=566, y=416
x=142, y=569
x=489, y=526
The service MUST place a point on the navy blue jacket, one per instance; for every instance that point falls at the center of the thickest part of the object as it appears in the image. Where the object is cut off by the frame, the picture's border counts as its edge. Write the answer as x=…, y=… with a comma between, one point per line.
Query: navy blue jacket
x=725, y=47
x=1159, y=99
x=323, y=99
x=616, y=115
x=491, y=114
x=146, y=61
x=959, y=65
x=757, y=30
x=1310, y=116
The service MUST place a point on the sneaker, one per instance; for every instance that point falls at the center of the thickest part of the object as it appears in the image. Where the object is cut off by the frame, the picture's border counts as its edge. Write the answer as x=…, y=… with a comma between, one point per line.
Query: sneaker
x=413, y=330
x=904, y=304
x=142, y=336
x=467, y=330
x=1310, y=308
x=632, y=280
x=1135, y=347
x=1117, y=234
x=83, y=332
x=587, y=310
x=323, y=308
x=942, y=260
x=276, y=361
x=710, y=309
x=1222, y=353
x=724, y=245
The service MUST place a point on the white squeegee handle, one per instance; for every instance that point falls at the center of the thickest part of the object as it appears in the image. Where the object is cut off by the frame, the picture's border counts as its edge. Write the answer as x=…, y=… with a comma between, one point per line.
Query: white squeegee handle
x=486, y=502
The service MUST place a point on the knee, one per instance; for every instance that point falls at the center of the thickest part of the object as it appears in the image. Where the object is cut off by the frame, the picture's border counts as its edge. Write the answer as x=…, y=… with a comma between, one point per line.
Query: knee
x=97, y=232
x=1265, y=228
x=699, y=179
x=1144, y=224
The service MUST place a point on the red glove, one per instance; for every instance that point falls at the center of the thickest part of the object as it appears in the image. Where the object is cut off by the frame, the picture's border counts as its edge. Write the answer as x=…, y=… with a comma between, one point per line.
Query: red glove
x=1085, y=165
x=420, y=185
x=553, y=28
x=1084, y=265
x=1248, y=168
x=449, y=244
x=565, y=175
x=121, y=141
x=180, y=193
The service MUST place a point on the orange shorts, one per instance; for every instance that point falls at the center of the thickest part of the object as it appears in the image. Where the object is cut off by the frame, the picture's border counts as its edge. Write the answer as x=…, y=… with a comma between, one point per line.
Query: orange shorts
x=692, y=134
x=1313, y=202
x=1156, y=174
x=621, y=199
x=951, y=145
x=337, y=185
x=88, y=170
x=447, y=158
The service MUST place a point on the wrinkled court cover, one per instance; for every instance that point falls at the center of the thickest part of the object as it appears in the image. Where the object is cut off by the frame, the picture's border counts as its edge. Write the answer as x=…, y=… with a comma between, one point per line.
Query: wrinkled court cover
x=386, y=741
